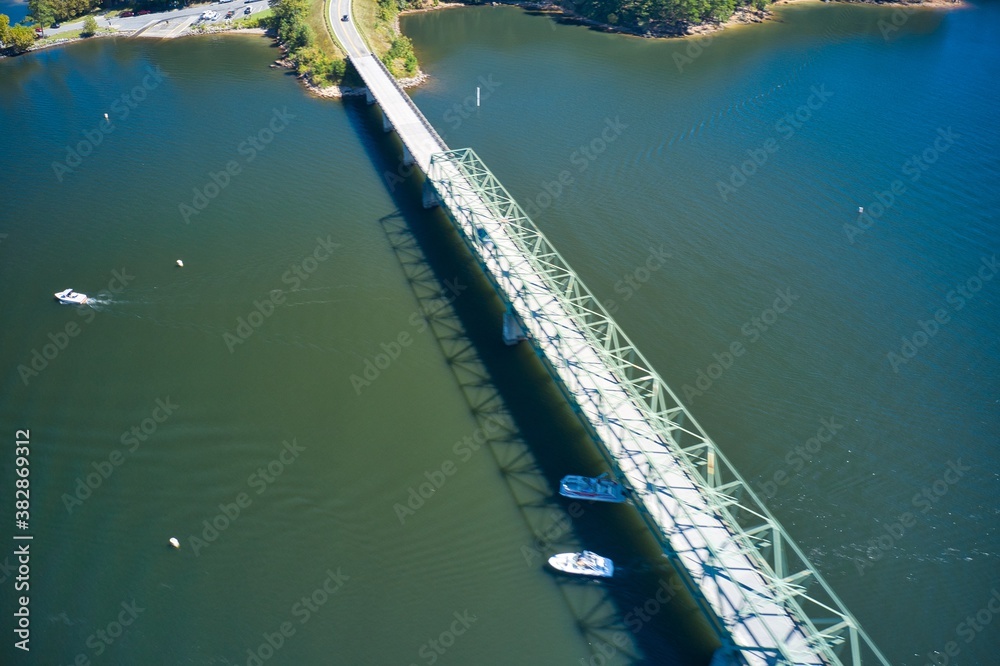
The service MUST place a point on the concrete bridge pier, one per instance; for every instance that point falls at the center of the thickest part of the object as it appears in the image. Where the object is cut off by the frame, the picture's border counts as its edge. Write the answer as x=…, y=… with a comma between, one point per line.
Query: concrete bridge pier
x=408, y=157
x=369, y=97
x=386, y=125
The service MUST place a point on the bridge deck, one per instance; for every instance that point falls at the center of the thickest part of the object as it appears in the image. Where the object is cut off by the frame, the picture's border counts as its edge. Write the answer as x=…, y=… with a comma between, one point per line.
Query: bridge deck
x=412, y=128
x=752, y=601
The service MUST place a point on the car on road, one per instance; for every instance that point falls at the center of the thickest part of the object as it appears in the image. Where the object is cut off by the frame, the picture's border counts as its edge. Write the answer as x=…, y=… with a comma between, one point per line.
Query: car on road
x=143, y=12
x=209, y=15
x=248, y=11
x=229, y=14
x=344, y=18
x=126, y=14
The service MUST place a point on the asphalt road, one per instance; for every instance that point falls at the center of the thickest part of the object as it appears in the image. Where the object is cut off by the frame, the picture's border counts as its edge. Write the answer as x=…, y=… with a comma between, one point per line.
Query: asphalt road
x=344, y=31
x=417, y=135
x=132, y=23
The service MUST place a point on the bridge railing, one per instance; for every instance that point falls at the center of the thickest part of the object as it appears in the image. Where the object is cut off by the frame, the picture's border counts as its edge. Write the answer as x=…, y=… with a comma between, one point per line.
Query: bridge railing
x=409, y=102
x=830, y=628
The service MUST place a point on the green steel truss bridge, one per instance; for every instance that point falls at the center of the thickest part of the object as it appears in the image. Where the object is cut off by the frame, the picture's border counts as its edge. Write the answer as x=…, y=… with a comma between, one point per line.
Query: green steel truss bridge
x=766, y=602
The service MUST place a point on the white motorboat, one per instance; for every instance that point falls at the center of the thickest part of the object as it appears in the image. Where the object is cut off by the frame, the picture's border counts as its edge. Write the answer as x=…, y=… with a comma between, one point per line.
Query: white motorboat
x=597, y=488
x=583, y=564
x=70, y=297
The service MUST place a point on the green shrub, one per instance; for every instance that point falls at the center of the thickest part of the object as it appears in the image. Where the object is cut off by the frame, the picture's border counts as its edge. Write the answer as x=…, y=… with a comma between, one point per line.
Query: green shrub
x=387, y=10
x=21, y=38
x=292, y=29
x=321, y=68
x=262, y=21
x=400, y=58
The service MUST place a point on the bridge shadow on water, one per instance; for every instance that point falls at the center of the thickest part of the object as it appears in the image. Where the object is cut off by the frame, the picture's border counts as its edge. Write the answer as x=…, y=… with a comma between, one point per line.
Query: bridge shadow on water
x=642, y=615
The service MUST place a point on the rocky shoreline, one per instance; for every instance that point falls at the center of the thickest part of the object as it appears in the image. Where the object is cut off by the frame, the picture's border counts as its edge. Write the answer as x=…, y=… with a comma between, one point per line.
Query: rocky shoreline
x=336, y=91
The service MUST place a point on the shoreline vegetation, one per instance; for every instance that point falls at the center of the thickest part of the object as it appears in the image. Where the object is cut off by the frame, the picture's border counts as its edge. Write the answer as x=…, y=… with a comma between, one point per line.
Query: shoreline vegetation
x=302, y=31
x=378, y=22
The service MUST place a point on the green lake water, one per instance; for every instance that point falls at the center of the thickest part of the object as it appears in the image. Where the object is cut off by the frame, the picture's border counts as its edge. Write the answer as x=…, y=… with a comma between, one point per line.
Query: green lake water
x=400, y=516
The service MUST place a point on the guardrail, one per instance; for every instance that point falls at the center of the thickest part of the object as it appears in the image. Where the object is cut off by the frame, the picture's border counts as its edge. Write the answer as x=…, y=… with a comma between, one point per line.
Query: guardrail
x=409, y=102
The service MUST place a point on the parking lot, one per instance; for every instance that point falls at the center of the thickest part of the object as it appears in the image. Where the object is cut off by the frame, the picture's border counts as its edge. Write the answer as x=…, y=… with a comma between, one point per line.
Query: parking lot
x=172, y=19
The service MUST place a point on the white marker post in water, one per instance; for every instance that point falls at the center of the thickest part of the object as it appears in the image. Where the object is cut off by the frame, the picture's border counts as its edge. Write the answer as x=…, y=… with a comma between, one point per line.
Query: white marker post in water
x=477, y=96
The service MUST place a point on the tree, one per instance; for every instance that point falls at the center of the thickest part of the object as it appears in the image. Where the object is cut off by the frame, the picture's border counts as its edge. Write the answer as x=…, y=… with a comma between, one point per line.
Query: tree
x=290, y=18
x=47, y=11
x=42, y=12
x=721, y=10
x=21, y=38
x=400, y=58
x=89, y=27
x=4, y=29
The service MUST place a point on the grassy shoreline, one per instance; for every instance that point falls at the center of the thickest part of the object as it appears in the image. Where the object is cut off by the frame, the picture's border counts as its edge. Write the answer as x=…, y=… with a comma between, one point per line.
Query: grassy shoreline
x=319, y=21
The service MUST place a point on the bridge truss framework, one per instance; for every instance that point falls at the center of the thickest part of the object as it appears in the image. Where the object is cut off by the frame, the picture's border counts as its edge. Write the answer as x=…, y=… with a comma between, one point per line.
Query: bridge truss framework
x=765, y=600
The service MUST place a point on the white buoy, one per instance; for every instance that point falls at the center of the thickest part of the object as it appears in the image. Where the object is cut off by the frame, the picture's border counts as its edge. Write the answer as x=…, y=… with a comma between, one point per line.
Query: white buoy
x=105, y=116
x=477, y=96
x=861, y=209
x=180, y=263
x=174, y=542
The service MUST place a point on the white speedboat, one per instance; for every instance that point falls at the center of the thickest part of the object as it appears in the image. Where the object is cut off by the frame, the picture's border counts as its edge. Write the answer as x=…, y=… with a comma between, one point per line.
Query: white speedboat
x=597, y=488
x=583, y=564
x=70, y=297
